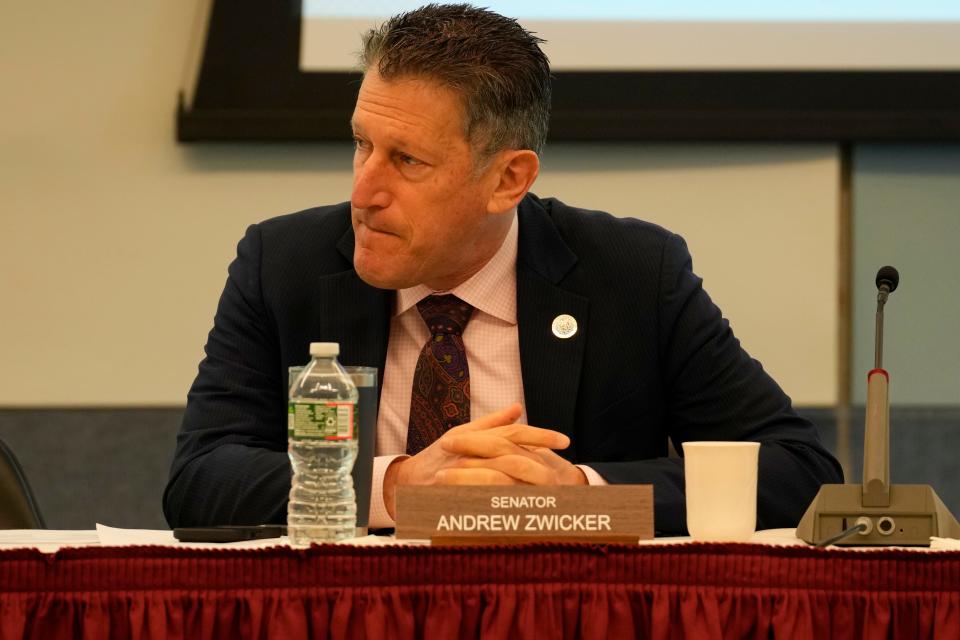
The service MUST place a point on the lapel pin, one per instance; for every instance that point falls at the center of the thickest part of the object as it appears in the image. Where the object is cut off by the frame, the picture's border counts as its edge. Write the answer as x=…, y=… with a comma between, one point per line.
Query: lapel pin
x=564, y=326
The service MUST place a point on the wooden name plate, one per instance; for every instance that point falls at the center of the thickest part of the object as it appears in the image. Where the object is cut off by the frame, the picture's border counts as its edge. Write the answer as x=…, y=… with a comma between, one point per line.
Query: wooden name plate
x=518, y=514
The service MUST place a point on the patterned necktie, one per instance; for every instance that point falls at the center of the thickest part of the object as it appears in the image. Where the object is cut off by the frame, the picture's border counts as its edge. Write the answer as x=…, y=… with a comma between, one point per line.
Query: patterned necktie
x=441, y=381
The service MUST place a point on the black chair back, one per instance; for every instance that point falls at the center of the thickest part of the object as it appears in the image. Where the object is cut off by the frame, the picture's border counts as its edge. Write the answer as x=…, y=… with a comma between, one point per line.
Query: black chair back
x=18, y=509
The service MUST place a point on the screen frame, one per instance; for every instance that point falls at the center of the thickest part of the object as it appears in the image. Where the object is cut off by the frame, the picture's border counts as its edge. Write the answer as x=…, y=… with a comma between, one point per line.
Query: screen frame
x=250, y=87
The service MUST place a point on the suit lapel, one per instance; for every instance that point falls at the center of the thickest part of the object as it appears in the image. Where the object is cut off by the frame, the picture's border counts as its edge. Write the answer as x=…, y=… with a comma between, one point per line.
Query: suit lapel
x=550, y=364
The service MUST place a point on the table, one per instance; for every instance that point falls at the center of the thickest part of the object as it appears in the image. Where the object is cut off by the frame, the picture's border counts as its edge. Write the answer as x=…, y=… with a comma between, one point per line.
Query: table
x=532, y=591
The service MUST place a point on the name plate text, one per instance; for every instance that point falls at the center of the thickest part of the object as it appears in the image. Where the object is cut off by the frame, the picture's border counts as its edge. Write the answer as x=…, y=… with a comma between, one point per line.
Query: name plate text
x=505, y=514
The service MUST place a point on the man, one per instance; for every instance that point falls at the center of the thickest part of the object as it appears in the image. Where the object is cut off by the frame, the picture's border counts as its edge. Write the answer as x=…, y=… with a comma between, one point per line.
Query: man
x=592, y=329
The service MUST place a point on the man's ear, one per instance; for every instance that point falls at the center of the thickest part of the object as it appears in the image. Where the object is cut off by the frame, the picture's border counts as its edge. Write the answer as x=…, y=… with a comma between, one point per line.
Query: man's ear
x=514, y=172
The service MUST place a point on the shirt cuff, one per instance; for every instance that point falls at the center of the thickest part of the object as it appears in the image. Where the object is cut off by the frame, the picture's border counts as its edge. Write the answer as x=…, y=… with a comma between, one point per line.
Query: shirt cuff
x=594, y=479
x=379, y=517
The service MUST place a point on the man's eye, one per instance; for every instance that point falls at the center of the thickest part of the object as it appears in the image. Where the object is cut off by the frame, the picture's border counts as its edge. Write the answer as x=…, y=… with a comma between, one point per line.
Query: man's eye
x=360, y=144
x=409, y=160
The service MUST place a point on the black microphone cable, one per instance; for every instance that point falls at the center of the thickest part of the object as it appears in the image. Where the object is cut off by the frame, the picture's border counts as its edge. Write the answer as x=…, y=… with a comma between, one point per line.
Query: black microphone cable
x=862, y=527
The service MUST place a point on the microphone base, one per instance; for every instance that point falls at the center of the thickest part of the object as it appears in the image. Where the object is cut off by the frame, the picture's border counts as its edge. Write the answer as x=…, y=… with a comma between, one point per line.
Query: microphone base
x=915, y=513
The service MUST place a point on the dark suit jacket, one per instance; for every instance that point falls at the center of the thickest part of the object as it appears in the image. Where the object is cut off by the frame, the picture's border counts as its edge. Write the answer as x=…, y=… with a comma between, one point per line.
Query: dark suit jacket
x=652, y=359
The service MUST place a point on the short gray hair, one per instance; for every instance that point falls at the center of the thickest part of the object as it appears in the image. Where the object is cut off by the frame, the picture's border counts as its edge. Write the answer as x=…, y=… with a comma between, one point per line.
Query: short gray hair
x=494, y=64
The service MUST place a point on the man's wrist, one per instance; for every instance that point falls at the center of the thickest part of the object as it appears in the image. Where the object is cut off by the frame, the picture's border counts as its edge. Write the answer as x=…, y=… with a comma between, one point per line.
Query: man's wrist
x=390, y=482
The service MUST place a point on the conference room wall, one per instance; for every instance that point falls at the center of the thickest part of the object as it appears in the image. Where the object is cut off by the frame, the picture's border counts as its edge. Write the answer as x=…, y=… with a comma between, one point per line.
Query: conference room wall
x=907, y=214
x=117, y=238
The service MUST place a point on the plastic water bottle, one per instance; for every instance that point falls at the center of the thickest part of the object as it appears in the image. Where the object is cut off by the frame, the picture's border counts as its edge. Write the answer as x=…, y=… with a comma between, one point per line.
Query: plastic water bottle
x=322, y=435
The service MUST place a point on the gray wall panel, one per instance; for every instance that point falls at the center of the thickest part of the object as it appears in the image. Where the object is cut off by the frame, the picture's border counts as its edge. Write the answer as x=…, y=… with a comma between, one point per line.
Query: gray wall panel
x=907, y=214
x=95, y=465
x=110, y=465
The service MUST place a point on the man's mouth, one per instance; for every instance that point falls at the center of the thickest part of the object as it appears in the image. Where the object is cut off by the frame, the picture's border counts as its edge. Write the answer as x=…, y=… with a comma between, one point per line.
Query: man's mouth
x=376, y=229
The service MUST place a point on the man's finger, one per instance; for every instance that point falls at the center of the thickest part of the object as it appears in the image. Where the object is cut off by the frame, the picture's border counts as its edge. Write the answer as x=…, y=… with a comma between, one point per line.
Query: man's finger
x=481, y=444
x=508, y=415
x=528, y=436
x=527, y=470
x=549, y=457
x=472, y=476
x=564, y=471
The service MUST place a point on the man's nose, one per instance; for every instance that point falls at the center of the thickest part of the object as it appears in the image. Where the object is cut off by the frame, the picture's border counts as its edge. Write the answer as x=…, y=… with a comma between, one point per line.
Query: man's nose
x=371, y=183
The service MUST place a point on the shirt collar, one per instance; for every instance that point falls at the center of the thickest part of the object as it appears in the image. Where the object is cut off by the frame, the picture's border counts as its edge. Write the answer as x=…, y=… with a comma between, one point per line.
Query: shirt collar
x=492, y=290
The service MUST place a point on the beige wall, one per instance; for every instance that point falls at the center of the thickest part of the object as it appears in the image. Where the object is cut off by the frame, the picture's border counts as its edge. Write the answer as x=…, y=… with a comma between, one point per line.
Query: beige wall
x=116, y=239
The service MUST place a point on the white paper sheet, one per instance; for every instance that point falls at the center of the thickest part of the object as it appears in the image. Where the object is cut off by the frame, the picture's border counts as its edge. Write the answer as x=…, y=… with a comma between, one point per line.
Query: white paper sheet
x=46, y=540
x=944, y=544
x=111, y=536
x=115, y=537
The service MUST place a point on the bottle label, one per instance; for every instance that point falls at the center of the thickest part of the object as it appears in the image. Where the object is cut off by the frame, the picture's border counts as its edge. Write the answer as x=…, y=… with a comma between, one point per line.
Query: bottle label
x=321, y=420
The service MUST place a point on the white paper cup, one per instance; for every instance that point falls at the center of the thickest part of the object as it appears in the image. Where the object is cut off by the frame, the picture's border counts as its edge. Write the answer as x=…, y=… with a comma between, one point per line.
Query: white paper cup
x=721, y=479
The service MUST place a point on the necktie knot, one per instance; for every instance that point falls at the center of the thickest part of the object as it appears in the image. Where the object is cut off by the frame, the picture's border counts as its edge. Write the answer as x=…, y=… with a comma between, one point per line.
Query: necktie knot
x=446, y=314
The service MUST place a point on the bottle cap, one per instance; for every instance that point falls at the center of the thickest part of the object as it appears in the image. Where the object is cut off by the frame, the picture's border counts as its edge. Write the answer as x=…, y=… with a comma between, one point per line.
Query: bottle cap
x=324, y=349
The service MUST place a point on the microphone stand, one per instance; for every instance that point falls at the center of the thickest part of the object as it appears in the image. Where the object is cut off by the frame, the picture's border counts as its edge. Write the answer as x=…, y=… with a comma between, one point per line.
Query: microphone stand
x=876, y=513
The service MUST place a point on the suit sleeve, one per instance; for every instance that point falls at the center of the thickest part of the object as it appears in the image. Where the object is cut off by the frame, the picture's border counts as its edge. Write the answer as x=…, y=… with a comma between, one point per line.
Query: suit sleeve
x=231, y=465
x=716, y=391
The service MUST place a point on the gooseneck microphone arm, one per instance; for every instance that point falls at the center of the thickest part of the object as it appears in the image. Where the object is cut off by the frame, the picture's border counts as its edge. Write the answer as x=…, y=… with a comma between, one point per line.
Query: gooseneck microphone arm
x=878, y=344
x=887, y=281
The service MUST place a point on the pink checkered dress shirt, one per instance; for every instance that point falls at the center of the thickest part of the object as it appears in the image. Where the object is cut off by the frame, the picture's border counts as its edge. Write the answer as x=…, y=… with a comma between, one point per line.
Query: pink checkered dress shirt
x=493, y=351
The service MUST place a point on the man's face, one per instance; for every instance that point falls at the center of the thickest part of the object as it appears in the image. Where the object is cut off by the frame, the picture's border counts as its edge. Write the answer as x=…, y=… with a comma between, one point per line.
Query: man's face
x=419, y=208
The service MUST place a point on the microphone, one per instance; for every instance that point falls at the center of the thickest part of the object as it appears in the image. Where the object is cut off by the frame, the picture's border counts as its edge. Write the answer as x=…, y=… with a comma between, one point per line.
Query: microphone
x=878, y=513
x=887, y=280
